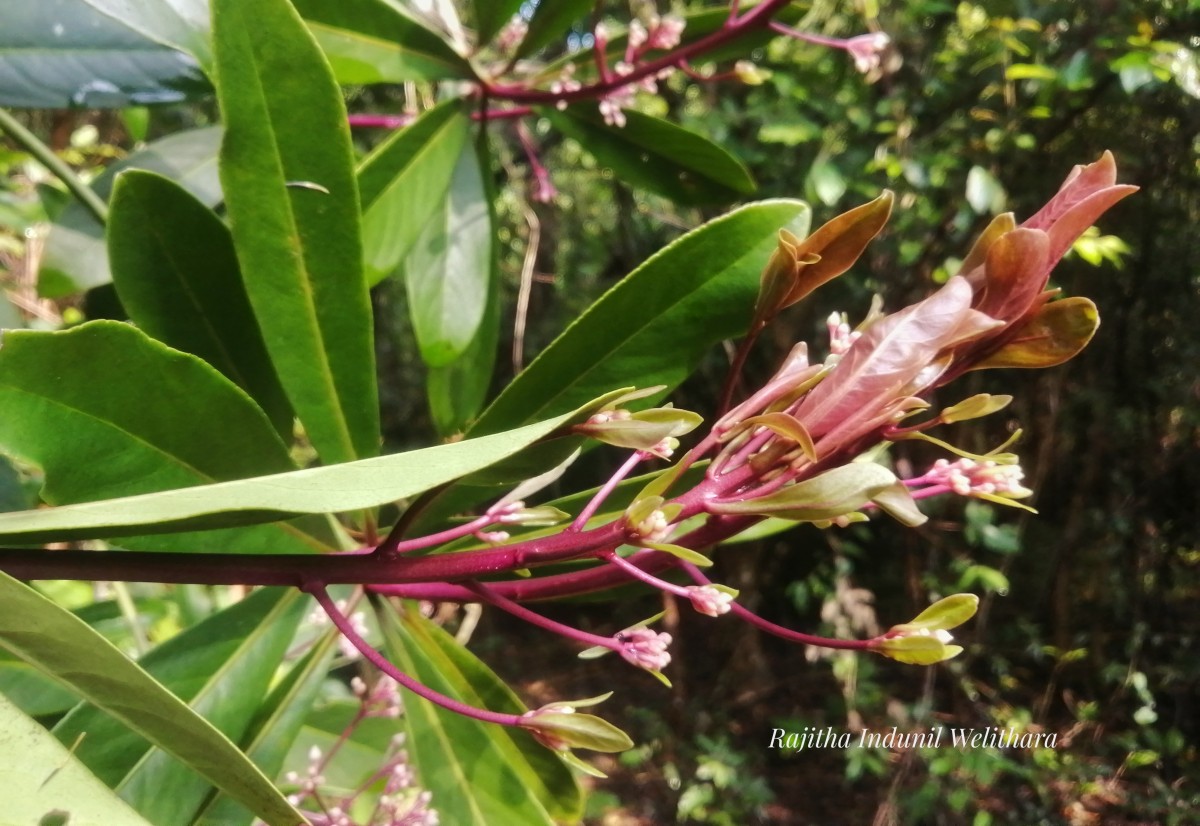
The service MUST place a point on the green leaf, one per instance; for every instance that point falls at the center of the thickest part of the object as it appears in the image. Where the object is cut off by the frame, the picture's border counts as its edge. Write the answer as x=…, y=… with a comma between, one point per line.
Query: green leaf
x=977, y=406
x=279, y=722
x=826, y=182
x=644, y=429
x=107, y=412
x=657, y=155
x=181, y=24
x=581, y=731
x=917, y=650
x=47, y=780
x=997, y=228
x=680, y=552
x=222, y=668
x=826, y=496
x=300, y=248
x=374, y=41
x=60, y=644
x=552, y=20
x=458, y=391
x=184, y=287
x=349, y=486
x=897, y=502
x=492, y=15
x=479, y=773
x=64, y=54
x=658, y=321
x=448, y=269
x=1057, y=332
x=782, y=424
x=76, y=257
x=404, y=180
x=1030, y=71
x=948, y=612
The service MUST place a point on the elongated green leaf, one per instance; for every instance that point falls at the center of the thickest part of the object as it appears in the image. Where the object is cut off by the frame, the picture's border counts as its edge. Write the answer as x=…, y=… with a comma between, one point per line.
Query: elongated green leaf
x=492, y=15
x=182, y=24
x=106, y=411
x=338, y=488
x=60, y=644
x=448, y=269
x=552, y=21
x=64, y=53
x=658, y=155
x=76, y=257
x=300, y=247
x=479, y=773
x=221, y=668
x=177, y=275
x=47, y=781
x=402, y=182
x=657, y=322
x=275, y=730
x=458, y=391
x=373, y=41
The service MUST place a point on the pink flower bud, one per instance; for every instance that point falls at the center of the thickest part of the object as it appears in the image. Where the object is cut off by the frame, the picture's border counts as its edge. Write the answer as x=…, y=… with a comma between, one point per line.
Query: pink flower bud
x=867, y=50
x=708, y=600
x=645, y=648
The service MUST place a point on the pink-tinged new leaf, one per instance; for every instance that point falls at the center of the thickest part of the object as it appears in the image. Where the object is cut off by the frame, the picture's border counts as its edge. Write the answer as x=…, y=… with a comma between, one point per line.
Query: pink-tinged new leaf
x=1014, y=274
x=787, y=426
x=884, y=361
x=1000, y=225
x=1086, y=194
x=1056, y=333
x=838, y=244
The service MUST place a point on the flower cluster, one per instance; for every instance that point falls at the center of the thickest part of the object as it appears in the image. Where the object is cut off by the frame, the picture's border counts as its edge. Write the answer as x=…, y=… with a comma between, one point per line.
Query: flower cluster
x=645, y=648
x=967, y=477
x=401, y=802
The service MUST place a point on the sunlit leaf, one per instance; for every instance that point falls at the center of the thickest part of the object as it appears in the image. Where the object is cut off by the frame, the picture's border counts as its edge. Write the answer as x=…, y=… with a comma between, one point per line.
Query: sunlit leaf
x=46, y=781
x=107, y=412
x=185, y=289
x=58, y=643
x=1056, y=333
x=222, y=667
x=338, y=488
x=300, y=249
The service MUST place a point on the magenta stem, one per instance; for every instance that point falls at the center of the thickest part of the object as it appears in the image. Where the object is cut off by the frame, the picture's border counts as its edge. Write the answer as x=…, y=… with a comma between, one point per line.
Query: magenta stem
x=394, y=545
x=778, y=630
x=758, y=17
x=817, y=39
x=648, y=578
x=596, y=501
x=493, y=597
x=317, y=589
